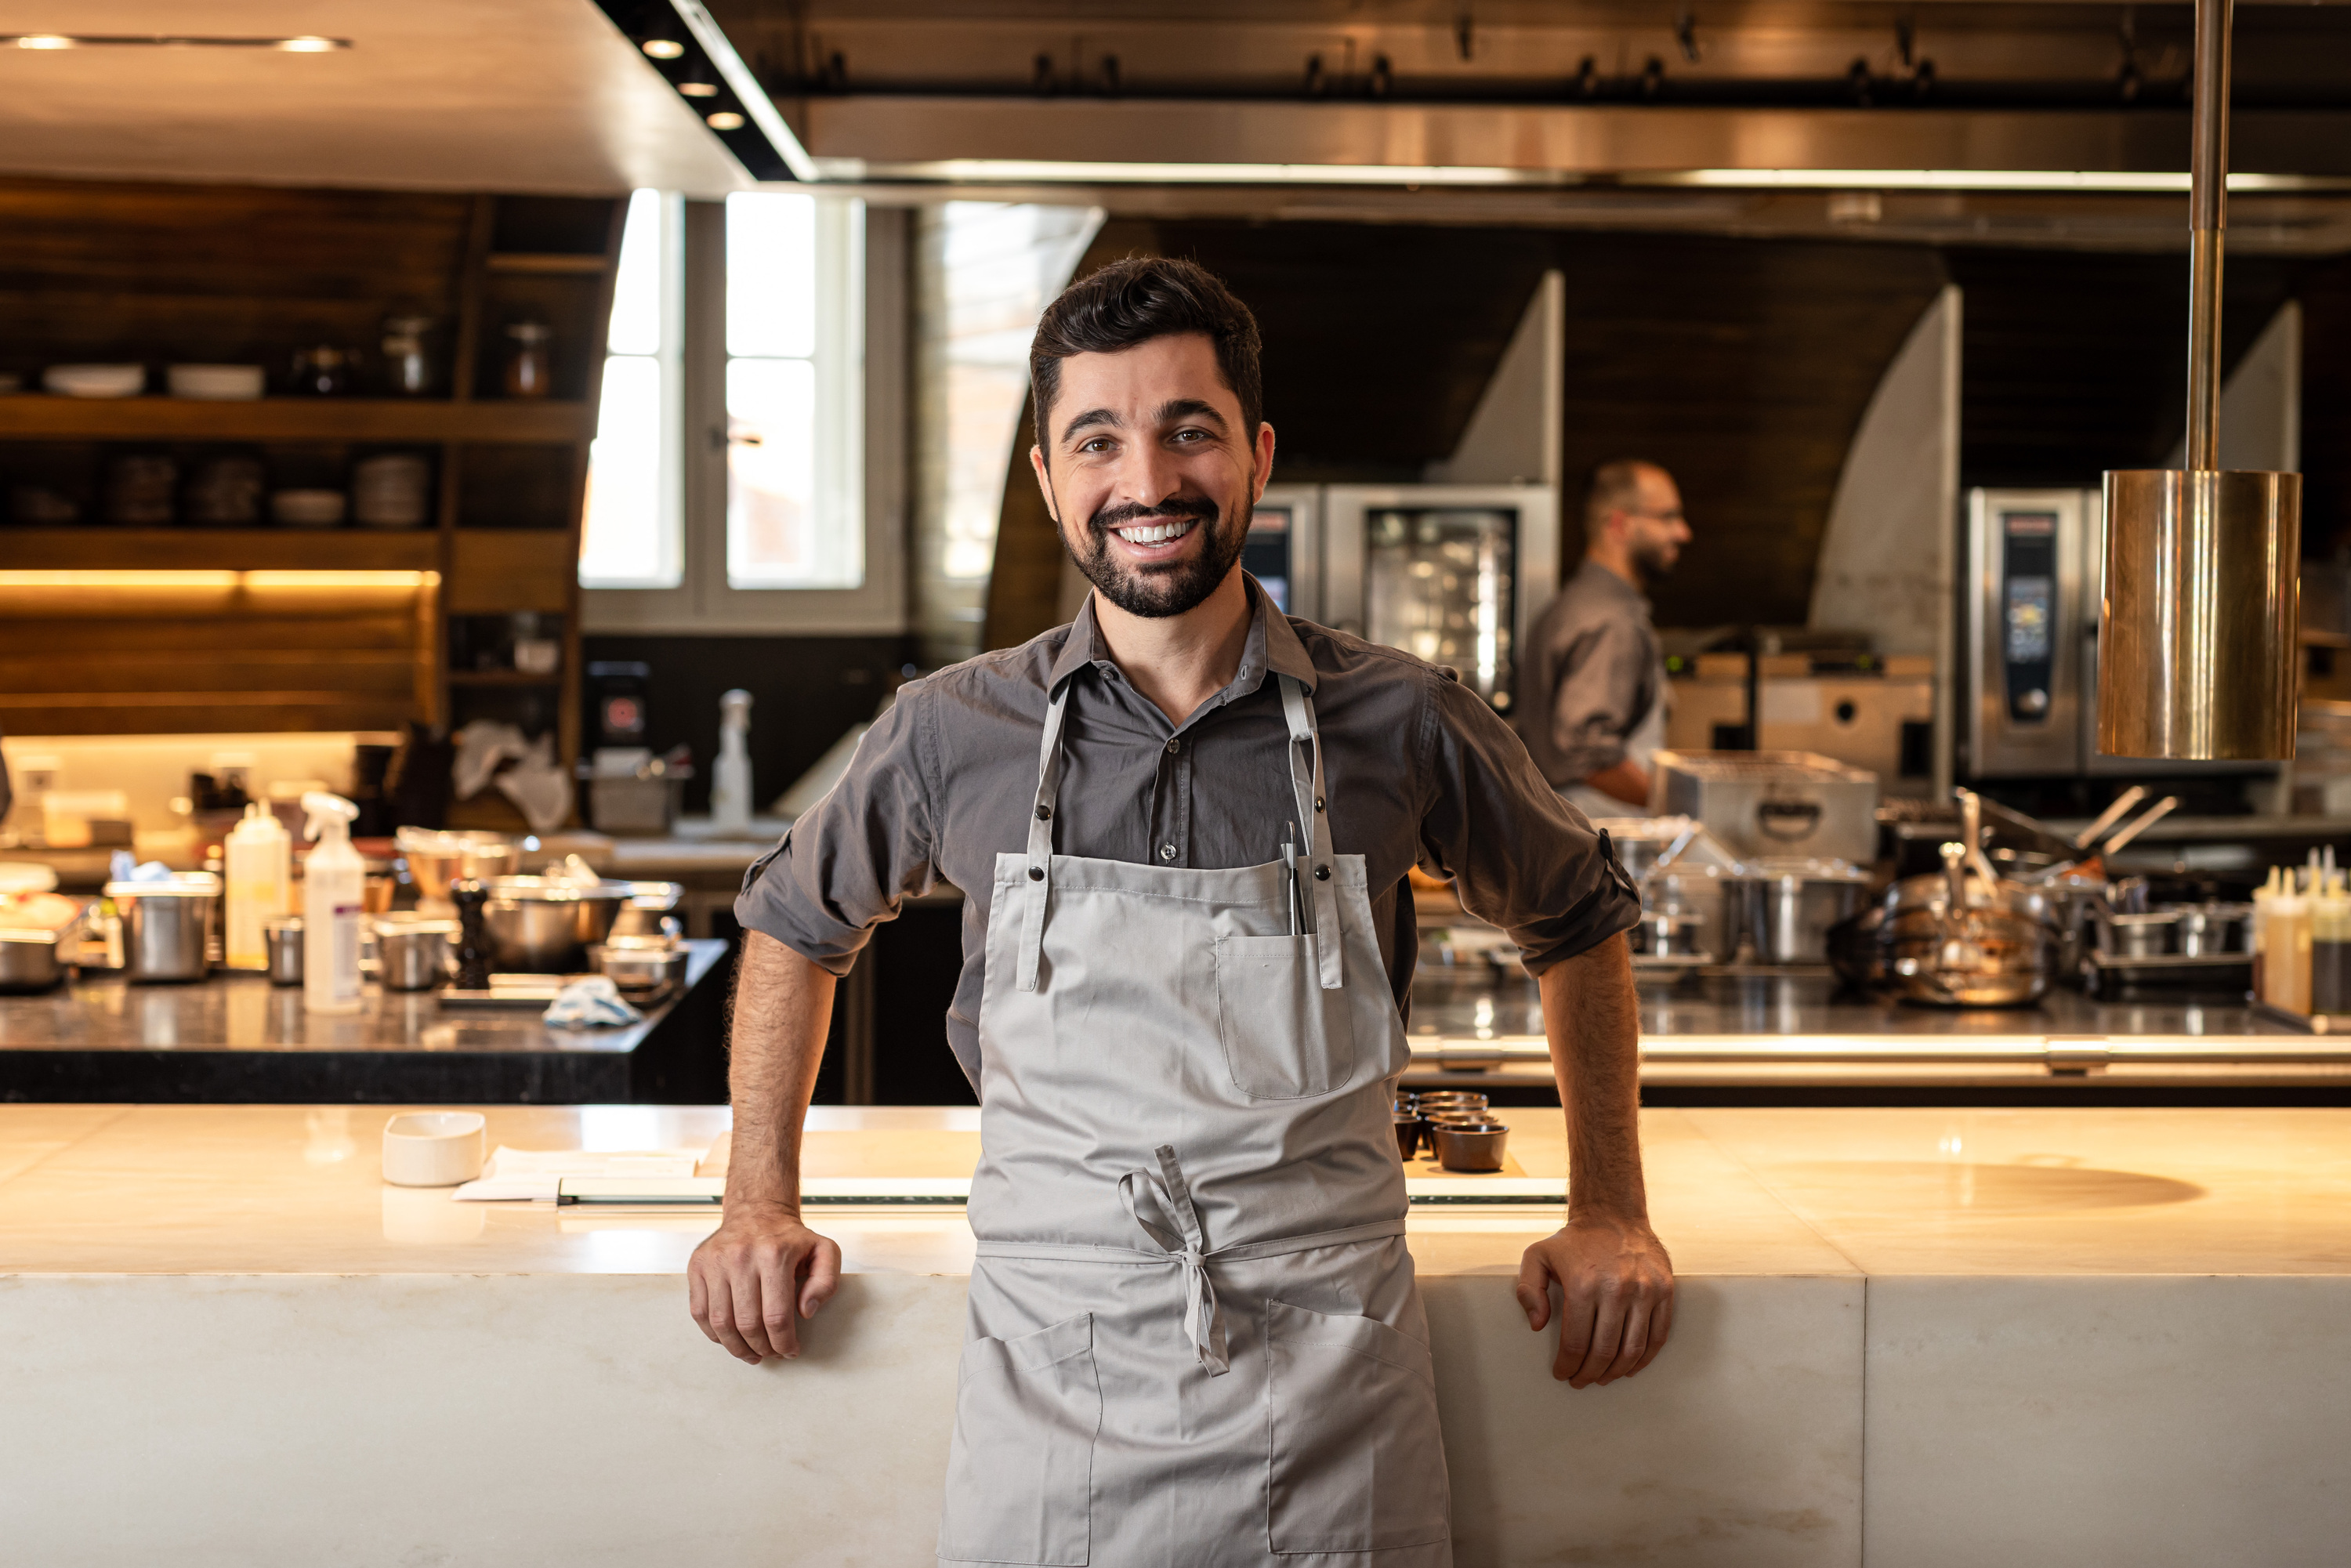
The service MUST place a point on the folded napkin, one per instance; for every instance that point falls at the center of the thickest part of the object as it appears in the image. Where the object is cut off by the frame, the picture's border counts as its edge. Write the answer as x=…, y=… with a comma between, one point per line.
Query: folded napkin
x=592, y=1003
x=522, y=1174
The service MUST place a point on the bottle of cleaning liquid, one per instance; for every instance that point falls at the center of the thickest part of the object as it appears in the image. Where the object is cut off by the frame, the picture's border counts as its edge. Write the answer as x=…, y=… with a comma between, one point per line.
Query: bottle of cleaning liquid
x=334, y=879
x=730, y=779
x=257, y=859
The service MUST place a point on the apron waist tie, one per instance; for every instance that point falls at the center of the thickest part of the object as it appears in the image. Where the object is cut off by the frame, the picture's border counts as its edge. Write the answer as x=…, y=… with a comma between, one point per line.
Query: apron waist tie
x=1185, y=1243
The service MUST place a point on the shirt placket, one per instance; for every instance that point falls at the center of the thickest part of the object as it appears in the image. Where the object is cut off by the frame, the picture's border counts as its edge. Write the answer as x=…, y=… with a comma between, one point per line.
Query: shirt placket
x=1171, y=803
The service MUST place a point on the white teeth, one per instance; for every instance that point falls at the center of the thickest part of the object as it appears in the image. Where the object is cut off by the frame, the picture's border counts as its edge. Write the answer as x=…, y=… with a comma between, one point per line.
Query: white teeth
x=1156, y=533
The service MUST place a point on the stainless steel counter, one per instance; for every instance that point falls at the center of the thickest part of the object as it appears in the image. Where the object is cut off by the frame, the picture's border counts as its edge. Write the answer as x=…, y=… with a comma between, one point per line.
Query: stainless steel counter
x=1802, y=1032
x=235, y=1036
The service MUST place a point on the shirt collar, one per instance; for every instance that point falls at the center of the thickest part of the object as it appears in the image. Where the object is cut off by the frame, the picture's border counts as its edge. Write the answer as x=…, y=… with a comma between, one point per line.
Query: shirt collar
x=1601, y=575
x=1272, y=647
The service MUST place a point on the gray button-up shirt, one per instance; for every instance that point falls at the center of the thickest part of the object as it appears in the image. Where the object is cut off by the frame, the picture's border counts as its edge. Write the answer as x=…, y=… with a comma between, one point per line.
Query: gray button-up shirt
x=1592, y=672
x=1419, y=770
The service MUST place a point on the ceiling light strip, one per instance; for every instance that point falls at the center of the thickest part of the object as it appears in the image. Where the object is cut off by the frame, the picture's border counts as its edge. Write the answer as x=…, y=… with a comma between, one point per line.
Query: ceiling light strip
x=1013, y=170
x=305, y=44
x=746, y=87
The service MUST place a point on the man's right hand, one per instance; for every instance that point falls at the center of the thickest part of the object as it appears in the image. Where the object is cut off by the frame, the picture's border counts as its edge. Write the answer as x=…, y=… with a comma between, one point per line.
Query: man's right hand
x=752, y=1280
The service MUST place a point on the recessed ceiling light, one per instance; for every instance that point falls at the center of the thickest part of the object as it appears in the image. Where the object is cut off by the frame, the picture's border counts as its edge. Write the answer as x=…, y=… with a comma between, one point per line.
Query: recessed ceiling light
x=725, y=119
x=662, y=49
x=699, y=89
x=303, y=45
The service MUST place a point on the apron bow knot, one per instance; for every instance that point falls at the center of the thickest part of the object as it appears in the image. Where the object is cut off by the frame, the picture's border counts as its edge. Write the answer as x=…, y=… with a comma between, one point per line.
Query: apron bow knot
x=1203, y=1319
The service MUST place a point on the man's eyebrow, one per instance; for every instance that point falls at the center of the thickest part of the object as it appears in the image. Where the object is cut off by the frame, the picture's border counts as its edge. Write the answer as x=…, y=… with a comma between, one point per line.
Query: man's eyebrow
x=1092, y=417
x=1190, y=408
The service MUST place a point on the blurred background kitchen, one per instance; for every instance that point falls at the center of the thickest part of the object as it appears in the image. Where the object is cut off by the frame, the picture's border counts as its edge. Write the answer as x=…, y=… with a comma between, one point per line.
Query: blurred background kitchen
x=558, y=434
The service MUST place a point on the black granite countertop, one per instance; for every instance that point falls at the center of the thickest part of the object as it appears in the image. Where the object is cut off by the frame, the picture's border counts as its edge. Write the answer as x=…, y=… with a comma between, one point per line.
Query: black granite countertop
x=236, y=1037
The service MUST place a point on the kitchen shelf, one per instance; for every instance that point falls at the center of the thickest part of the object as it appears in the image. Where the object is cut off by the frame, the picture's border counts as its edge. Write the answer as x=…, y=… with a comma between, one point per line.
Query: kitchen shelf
x=559, y=262
x=97, y=546
x=36, y=416
x=501, y=678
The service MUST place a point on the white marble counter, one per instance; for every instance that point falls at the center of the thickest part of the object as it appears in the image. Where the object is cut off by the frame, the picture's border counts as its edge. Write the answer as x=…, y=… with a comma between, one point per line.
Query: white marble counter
x=1905, y=1337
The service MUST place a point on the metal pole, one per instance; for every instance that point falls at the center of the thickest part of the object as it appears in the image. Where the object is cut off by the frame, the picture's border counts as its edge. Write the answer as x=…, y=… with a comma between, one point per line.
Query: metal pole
x=2209, y=216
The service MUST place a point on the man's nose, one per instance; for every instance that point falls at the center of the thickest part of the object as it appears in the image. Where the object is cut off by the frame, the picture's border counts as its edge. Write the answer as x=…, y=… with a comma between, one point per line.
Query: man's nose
x=1147, y=475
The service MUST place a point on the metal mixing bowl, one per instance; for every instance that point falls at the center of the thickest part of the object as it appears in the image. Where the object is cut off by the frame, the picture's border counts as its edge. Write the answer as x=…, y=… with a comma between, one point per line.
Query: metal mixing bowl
x=540, y=925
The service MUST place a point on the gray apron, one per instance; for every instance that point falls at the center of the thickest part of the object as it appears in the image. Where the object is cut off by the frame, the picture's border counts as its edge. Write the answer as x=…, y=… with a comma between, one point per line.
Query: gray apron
x=1194, y=1339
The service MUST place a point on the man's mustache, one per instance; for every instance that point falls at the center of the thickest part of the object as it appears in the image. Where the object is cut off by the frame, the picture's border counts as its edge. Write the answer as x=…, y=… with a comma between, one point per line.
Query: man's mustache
x=1118, y=517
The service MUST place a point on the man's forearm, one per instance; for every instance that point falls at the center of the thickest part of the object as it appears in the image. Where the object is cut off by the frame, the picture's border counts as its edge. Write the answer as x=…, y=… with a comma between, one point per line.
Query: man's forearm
x=1627, y=781
x=1592, y=1021
x=783, y=1004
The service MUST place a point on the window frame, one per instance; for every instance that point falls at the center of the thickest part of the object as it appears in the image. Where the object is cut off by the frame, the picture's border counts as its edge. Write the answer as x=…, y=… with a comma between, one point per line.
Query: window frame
x=704, y=602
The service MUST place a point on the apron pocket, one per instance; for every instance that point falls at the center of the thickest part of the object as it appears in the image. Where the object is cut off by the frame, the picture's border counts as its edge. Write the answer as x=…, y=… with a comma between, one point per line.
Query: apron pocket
x=1357, y=1462
x=1285, y=1037
x=1020, y=1472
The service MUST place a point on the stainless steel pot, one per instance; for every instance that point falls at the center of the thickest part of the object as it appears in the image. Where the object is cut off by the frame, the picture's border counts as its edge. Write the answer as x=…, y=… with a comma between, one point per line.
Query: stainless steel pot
x=639, y=964
x=2141, y=935
x=544, y=926
x=167, y=925
x=649, y=904
x=29, y=961
x=413, y=954
x=1963, y=940
x=283, y=935
x=1788, y=906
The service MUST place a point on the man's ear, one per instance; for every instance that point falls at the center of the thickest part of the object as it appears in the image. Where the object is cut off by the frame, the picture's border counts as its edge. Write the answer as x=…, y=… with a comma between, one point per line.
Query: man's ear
x=1261, y=455
x=1044, y=482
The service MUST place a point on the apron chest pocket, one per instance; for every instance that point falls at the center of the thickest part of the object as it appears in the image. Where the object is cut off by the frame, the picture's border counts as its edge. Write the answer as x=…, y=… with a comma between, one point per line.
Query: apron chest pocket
x=1285, y=1037
x=1357, y=1463
x=1020, y=1472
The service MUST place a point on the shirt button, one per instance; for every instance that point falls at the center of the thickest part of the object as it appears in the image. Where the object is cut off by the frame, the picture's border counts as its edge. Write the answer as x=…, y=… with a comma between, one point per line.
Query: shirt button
x=1173, y=746
x=1167, y=851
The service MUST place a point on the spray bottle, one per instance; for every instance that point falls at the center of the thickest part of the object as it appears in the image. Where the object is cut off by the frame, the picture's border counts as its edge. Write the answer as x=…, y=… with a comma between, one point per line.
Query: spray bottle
x=333, y=880
x=258, y=858
x=730, y=779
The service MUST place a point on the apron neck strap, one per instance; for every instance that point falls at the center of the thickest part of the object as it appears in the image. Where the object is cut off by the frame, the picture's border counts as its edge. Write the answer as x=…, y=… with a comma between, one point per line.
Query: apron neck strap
x=1041, y=839
x=1317, y=870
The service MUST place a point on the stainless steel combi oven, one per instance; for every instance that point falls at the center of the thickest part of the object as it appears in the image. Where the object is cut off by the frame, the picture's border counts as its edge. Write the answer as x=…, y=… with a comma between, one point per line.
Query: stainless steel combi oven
x=1453, y=573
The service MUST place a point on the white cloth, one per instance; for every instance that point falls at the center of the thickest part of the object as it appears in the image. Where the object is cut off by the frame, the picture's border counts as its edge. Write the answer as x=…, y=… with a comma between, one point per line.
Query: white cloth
x=592, y=1003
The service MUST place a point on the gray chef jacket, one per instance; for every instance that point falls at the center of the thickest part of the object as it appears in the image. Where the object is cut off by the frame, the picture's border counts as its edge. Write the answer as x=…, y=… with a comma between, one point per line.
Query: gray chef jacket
x=1420, y=772
x=1593, y=673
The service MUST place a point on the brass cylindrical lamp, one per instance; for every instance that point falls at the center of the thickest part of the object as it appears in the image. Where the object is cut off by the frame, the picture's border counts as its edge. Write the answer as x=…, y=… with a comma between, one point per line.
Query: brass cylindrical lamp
x=2198, y=638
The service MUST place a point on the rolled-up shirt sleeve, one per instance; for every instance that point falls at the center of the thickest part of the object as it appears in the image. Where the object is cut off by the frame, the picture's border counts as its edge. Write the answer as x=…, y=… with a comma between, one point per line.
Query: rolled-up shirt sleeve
x=1598, y=699
x=848, y=862
x=1521, y=857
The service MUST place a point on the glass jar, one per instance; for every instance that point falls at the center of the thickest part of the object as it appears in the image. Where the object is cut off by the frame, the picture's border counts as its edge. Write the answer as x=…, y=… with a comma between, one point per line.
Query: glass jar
x=408, y=367
x=529, y=367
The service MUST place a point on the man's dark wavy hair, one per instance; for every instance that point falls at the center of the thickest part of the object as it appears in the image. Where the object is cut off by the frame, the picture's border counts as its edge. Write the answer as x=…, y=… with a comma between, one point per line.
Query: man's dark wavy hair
x=1132, y=301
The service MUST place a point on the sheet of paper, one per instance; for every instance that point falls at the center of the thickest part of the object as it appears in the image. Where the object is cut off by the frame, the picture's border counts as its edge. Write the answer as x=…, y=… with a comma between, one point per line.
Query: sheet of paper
x=514, y=1175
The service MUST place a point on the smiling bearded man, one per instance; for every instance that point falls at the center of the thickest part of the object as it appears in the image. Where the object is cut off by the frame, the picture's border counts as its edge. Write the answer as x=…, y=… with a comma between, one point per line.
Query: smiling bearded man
x=1182, y=826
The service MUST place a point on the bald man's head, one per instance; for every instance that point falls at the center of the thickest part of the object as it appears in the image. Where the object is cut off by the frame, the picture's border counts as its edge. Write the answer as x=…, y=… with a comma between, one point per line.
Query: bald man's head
x=1632, y=520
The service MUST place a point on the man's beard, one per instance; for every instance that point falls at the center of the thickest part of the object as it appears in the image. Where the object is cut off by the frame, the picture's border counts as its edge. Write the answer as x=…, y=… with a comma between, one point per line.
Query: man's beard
x=1156, y=590
x=1654, y=559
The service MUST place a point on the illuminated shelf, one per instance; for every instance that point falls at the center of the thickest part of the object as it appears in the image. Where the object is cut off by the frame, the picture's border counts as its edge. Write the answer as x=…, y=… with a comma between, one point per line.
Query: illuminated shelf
x=100, y=548
x=39, y=417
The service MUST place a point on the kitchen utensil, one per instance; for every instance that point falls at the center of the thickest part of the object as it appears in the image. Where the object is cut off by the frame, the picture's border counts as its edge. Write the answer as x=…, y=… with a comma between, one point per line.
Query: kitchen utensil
x=473, y=968
x=2140, y=935
x=307, y=509
x=435, y=858
x=95, y=380
x=1788, y=906
x=1439, y=1099
x=1470, y=1145
x=140, y=489
x=391, y=490
x=2208, y=930
x=282, y=934
x=1409, y=1131
x=1704, y=896
x=1667, y=933
x=433, y=1148
x=2110, y=816
x=167, y=925
x=639, y=963
x=225, y=491
x=2138, y=825
x=31, y=960
x=545, y=925
x=412, y=954
x=1957, y=940
x=216, y=383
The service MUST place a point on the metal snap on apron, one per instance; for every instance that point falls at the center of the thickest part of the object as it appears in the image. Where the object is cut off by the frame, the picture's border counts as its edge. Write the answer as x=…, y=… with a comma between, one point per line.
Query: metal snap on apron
x=1193, y=1338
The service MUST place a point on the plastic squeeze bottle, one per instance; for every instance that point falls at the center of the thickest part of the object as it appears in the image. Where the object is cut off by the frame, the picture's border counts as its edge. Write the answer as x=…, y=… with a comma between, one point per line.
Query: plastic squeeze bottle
x=2330, y=946
x=333, y=880
x=2264, y=899
x=2286, y=959
x=730, y=779
x=257, y=856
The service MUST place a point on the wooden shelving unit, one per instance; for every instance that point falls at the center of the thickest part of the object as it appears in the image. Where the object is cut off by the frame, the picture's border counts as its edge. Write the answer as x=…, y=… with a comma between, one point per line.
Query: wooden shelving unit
x=114, y=271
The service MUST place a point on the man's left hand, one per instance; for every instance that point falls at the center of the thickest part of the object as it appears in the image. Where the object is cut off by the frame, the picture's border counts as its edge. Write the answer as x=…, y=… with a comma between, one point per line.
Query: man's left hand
x=1618, y=1285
